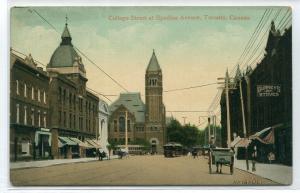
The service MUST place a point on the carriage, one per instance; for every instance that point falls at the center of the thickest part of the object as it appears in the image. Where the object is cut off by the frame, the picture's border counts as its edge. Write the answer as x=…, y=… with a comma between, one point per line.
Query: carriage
x=220, y=157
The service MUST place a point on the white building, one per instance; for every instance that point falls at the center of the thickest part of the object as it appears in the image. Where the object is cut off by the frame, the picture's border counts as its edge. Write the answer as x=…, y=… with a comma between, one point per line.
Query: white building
x=103, y=124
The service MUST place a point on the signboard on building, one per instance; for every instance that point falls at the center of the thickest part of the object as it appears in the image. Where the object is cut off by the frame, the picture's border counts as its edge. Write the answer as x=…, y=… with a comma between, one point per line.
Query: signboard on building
x=268, y=90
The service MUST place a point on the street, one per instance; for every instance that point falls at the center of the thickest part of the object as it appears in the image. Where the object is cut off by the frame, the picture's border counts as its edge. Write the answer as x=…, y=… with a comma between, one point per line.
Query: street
x=134, y=170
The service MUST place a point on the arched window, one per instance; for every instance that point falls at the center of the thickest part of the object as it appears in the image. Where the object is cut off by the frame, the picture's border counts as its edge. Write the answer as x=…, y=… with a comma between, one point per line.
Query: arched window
x=121, y=124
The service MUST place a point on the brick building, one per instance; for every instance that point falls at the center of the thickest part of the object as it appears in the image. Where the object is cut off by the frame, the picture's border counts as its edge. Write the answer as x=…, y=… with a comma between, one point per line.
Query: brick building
x=29, y=110
x=52, y=114
x=74, y=110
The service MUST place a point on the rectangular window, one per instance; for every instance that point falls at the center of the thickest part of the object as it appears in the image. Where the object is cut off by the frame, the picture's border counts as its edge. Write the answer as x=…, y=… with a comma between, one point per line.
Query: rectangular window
x=32, y=93
x=115, y=125
x=128, y=126
x=74, y=121
x=44, y=97
x=64, y=118
x=39, y=95
x=59, y=117
x=32, y=116
x=25, y=115
x=18, y=113
x=25, y=90
x=70, y=120
x=39, y=117
x=17, y=87
x=59, y=94
x=45, y=119
x=25, y=148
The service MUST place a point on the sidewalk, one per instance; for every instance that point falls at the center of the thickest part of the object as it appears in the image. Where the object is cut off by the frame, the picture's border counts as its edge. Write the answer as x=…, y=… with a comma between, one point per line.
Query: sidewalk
x=278, y=173
x=44, y=163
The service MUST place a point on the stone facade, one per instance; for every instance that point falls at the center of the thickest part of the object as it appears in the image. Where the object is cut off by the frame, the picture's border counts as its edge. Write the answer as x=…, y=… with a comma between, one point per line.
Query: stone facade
x=144, y=121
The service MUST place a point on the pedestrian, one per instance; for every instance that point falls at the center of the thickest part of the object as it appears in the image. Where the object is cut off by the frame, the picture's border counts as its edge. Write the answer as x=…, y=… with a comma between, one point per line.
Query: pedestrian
x=271, y=157
x=254, y=157
x=99, y=155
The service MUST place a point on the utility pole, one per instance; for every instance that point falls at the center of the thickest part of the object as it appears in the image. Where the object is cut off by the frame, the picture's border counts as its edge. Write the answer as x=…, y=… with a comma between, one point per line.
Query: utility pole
x=227, y=108
x=209, y=137
x=126, y=130
x=227, y=87
x=184, y=120
x=244, y=122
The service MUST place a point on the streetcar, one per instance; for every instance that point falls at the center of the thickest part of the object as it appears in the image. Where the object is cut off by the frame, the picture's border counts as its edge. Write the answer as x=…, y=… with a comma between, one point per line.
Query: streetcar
x=173, y=149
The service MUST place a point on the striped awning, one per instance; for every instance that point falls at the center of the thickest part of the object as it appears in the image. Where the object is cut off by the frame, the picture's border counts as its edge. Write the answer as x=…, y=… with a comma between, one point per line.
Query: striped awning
x=81, y=143
x=67, y=141
x=93, y=143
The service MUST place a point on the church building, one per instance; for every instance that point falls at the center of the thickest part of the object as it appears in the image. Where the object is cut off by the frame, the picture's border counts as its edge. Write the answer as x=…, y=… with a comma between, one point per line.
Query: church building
x=145, y=121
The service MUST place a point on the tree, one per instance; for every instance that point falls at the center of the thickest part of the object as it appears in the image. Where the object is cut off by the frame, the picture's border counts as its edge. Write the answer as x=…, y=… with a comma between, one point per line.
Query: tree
x=188, y=135
x=113, y=145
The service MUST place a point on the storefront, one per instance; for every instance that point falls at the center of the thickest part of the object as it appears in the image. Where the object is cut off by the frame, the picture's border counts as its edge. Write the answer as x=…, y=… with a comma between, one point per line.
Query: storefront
x=43, y=144
x=68, y=148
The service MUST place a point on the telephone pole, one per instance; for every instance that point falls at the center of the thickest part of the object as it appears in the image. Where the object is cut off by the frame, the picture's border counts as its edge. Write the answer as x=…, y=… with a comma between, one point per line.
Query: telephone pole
x=228, y=86
x=244, y=122
x=126, y=131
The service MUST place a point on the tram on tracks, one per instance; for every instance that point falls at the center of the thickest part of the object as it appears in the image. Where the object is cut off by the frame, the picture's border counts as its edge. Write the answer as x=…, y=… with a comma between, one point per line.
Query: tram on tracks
x=173, y=149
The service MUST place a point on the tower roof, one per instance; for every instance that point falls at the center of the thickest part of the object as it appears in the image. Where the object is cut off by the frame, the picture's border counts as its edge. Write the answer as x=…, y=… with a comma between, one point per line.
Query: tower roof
x=66, y=32
x=65, y=55
x=153, y=65
x=133, y=102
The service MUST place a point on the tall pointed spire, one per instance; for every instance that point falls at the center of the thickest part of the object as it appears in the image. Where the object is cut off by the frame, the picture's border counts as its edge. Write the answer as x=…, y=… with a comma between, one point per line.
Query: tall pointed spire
x=66, y=36
x=153, y=63
x=238, y=74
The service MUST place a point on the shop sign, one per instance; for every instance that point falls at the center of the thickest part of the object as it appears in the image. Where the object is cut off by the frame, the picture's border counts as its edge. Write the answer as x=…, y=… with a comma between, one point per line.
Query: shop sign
x=268, y=90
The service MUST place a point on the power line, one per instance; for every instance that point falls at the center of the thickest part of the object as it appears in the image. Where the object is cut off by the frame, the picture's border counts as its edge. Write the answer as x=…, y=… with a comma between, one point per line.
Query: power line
x=191, y=87
x=105, y=96
x=115, y=81
x=254, y=50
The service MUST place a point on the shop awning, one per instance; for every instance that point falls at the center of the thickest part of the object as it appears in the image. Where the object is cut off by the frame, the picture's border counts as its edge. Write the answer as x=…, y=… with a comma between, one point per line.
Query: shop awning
x=81, y=143
x=93, y=143
x=240, y=142
x=265, y=136
x=67, y=141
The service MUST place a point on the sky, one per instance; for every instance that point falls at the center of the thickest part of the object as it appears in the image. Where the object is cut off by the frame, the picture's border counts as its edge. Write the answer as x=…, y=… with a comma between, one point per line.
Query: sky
x=194, y=46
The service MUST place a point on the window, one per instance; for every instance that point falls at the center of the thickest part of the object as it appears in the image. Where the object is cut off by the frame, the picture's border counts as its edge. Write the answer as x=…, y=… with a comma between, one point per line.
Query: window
x=32, y=93
x=74, y=121
x=121, y=124
x=59, y=94
x=115, y=125
x=59, y=117
x=25, y=115
x=32, y=116
x=70, y=99
x=39, y=118
x=64, y=95
x=17, y=87
x=128, y=126
x=152, y=81
x=45, y=119
x=64, y=118
x=70, y=120
x=44, y=97
x=39, y=95
x=25, y=90
x=25, y=146
x=18, y=113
